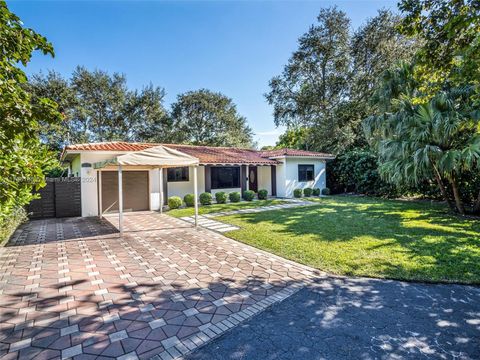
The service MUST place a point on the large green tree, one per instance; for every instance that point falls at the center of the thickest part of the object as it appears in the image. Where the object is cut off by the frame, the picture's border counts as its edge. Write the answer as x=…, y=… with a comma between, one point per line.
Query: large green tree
x=450, y=34
x=437, y=138
x=327, y=84
x=23, y=158
x=204, y=117
x=98, y=106
x=376, y=46
x=314, y=83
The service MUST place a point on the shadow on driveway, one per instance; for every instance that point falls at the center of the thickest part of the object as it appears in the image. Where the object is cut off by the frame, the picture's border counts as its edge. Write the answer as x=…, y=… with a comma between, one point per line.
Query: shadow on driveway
x=360, y=319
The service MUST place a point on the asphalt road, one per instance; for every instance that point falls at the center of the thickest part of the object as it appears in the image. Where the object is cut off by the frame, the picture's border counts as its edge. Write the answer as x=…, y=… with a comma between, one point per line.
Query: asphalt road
x=364, y=319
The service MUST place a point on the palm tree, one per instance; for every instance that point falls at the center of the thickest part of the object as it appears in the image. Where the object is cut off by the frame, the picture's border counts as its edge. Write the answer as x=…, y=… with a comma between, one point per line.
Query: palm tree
x=420, y=139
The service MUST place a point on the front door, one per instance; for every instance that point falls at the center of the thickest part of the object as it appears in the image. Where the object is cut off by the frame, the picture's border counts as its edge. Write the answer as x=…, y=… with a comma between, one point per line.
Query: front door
x=252, y=178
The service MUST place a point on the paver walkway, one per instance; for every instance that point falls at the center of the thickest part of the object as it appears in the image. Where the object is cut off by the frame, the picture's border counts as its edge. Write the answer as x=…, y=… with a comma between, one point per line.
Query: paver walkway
x=208, y=222
x=73, y=288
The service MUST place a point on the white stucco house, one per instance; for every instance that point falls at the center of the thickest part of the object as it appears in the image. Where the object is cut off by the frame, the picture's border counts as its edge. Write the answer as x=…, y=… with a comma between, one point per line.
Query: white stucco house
x=220, y=169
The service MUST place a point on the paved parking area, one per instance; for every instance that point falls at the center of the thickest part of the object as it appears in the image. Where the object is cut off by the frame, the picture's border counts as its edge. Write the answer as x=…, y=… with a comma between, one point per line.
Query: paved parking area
x=358, y=318
x=73, y=288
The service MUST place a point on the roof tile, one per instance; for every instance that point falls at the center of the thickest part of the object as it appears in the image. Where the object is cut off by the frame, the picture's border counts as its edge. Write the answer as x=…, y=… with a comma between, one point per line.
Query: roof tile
x=206, y=154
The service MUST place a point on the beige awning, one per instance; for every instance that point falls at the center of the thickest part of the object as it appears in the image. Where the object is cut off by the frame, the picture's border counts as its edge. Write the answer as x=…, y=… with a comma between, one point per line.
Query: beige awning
x=158, y=156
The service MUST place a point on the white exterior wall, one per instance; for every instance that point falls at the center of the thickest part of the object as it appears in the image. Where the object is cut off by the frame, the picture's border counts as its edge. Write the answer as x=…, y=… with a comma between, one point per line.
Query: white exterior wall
x=182, y=188
x=286, y=173
x=289, y=175
x=265, y=178
x=76, y=166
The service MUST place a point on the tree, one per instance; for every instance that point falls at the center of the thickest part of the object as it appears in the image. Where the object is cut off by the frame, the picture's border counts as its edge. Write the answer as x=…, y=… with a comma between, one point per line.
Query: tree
x=376, y=46
x=416, y=141
x=23, y=158
x=98, y=106
x=204, y=117
x=450, y=33
x=294, y=138
x=315, y=80
x=53, y=86
x=326, y=86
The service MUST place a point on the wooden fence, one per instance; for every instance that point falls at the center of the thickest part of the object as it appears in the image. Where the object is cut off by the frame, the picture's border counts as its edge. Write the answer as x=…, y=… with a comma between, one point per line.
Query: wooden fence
x=60, y=198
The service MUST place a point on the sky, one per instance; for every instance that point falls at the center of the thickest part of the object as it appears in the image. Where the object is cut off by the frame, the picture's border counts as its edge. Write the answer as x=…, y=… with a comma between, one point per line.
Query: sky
x=234, y=47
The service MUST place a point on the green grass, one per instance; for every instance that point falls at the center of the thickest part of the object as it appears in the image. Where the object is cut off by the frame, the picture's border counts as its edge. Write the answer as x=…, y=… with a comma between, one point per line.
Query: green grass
x=369, y=237
x=202, y=210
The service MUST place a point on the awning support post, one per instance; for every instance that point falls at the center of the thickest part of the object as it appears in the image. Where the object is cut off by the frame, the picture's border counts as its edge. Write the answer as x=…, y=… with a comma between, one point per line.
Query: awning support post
x=100, y=195
x=195, y=194
x=160, y=189
x=120, y=200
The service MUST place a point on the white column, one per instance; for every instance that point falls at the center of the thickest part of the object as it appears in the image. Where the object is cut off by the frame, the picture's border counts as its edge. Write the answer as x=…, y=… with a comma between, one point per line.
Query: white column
x=100, y=204
x=160, y=190
x=120, y=200
x=195, y=193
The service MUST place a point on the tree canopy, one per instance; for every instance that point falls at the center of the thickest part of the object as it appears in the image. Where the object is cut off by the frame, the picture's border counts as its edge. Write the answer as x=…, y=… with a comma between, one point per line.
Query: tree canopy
x=23, y=158
x=204, y=117
x=427, y=123
x=326, y=86
x=98, y=106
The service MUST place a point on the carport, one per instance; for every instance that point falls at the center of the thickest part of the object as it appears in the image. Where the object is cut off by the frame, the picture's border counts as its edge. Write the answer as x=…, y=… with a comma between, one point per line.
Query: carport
x=158, y=157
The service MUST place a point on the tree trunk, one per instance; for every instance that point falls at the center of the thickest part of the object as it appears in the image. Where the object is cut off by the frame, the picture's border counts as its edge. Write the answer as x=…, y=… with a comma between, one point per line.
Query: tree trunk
x=443, y=191
x=476, y=206
x=456, y=194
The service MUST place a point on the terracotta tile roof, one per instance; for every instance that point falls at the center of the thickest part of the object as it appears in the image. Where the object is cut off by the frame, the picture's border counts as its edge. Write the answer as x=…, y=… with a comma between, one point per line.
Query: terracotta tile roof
x=110, y=146
x=294, y=152
x=223, y=155
x=206, y=154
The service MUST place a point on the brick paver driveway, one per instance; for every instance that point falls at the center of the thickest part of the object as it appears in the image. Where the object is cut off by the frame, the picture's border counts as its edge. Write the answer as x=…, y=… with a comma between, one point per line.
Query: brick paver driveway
x=73, y=288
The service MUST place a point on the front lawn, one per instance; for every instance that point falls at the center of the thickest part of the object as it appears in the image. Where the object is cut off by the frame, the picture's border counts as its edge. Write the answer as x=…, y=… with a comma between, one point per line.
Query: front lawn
x=369, y=237
x=214, y=208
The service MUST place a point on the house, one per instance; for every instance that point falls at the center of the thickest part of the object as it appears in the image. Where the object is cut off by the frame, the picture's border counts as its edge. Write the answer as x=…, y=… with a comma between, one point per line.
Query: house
x=220, y=169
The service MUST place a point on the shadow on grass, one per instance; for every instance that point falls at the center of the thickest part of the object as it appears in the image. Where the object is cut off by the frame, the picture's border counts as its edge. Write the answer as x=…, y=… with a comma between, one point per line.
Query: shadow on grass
x=370, y=237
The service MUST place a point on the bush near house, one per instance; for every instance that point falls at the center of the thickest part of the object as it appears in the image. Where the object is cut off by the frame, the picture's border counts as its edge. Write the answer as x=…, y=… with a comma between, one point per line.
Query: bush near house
x=234, y=197
x=262, y=194
x=298, y=193
x=307, y=192
x=206, y=198
x=316, y=192
x=189, y=200
x=249, y=195
x=326, y=191
x=10, y=223
x=174, y=202
x=221, y=197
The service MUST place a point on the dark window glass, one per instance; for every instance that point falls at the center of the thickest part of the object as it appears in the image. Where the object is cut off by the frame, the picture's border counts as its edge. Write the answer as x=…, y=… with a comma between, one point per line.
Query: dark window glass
x=305, y=172
x=225, y=177
x=177, y=174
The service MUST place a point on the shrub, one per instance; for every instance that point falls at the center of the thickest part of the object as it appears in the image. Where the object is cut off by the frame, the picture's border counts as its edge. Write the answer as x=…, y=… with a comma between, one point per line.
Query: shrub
x=174, y=202
x=298, y=193
x=316, y=192
x=262, y=194
x=189, y=200
x=234, y=196
x=9, y=224
x=221, y=197
x=249, y=195
x=307, y=192
x=326, y=191
x=206, y=198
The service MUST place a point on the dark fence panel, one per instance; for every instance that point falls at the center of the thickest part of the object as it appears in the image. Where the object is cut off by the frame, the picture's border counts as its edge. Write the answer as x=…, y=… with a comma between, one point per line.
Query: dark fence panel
x=45, y=206
x=60, y=198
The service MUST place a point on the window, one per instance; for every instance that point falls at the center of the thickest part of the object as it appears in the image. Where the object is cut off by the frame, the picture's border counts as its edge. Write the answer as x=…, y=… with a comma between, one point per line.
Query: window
x=225, y=177
x=177, y=174
x=306, y=173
